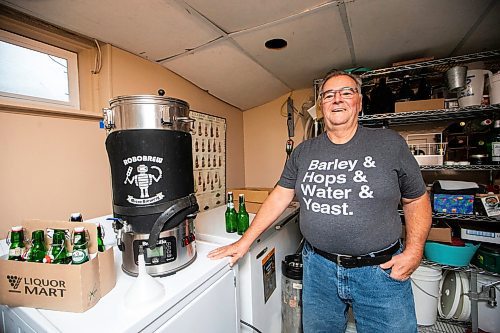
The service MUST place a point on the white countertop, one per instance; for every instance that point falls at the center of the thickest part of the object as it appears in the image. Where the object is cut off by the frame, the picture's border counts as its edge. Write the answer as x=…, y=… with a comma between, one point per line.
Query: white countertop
x=111, y=315
x=211, y=225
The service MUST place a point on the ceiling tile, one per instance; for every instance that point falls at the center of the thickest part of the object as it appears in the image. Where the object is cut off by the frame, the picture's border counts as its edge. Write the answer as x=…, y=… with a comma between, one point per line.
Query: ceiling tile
x=236, y=15
x=225, y=72
x=487, y=35
x=154, y=29
x=316, y=44
x=385, y=31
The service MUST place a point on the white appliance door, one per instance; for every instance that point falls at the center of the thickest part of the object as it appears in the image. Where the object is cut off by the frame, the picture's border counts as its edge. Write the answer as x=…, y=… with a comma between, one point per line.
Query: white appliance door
x=261, y=279
x=214, y=310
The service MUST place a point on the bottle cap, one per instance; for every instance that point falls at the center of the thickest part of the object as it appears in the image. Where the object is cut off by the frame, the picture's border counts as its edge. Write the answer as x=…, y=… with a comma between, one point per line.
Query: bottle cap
x=76, y=217
x=79, y=229
x=17, y=228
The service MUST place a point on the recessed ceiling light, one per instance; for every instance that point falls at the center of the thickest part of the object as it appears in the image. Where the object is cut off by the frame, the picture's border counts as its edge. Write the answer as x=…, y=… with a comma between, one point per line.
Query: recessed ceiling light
x=276, y=44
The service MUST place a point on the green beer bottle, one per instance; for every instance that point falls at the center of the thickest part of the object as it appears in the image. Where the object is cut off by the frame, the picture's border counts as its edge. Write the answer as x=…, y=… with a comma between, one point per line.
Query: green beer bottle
x=16, y=247
x=80, y=252
x=494, y=144
x=243, y=218
x=231, y=216
x=100, y=241
x=37, y=251
x=57, y=252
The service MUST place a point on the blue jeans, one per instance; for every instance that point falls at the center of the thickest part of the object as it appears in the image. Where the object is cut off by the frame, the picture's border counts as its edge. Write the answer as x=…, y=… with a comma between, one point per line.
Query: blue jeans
x=379, y=302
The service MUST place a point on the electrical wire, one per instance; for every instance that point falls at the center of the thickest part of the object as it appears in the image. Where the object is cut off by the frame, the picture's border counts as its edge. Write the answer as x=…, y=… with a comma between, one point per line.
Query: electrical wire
x=98, y=59
x=284, y=103
x=251, y=326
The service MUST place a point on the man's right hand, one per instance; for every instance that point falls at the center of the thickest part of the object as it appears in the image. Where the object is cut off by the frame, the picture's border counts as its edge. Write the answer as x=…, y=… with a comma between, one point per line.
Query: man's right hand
x=235, y=250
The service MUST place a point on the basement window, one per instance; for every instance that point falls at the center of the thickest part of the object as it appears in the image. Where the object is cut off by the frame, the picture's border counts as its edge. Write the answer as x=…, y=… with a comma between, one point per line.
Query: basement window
x=36, y=73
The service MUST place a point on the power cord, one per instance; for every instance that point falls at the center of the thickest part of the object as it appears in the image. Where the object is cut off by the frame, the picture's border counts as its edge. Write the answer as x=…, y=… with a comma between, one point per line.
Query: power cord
x=251, y=326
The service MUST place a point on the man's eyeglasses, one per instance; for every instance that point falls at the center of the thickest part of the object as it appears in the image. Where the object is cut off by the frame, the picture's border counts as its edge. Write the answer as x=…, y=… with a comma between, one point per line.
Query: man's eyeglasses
x=344, y=93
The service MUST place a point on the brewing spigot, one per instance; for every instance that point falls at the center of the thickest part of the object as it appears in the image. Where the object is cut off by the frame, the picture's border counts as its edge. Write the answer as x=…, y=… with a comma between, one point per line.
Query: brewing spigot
x=492, y=296
x=490, y=289
x=119, y=226
x=488, y=293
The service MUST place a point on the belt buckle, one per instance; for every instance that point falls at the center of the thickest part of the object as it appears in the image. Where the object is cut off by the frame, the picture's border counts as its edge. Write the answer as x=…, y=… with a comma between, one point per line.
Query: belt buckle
x=346, y=261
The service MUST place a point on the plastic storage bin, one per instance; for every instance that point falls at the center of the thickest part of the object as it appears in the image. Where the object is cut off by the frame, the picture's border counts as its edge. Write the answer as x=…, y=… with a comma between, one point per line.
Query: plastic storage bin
x=488, y=257
x=448, y=254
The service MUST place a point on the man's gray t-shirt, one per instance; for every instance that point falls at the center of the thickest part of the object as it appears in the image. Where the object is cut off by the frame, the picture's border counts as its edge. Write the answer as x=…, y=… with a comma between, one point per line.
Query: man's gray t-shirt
x=349, y=193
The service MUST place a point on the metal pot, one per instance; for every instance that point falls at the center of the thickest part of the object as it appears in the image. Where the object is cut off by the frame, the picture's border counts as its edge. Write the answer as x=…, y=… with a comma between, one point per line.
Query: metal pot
x=149, y=148
x=147, y=112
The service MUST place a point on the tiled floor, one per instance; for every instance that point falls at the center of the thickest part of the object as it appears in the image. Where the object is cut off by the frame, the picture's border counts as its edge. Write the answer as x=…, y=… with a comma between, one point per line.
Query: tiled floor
x=443, y=327
x=439, y=327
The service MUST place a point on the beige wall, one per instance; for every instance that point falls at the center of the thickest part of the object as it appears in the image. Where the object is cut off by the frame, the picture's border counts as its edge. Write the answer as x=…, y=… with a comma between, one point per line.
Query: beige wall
x=51, y=166
x=134, y=75
x=265, y=136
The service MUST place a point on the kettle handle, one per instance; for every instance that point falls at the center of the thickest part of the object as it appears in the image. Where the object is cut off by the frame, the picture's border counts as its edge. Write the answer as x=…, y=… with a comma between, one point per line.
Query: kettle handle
x=163, y=219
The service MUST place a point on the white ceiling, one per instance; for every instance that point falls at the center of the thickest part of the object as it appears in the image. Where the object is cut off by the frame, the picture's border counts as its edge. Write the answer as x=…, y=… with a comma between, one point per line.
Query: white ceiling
x=219, y=45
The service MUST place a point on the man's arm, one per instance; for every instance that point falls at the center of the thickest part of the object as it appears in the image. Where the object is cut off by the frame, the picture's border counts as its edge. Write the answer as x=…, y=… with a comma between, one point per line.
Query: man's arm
x=274, y=205
x=418, y=220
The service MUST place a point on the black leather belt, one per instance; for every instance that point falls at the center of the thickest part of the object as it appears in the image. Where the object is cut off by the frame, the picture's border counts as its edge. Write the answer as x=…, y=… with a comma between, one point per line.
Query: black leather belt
x=359, y=261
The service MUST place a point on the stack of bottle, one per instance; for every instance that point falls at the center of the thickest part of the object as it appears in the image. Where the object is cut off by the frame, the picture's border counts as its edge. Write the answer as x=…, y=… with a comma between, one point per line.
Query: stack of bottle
x=236, y=221
x=476, y=141
x=35, y=249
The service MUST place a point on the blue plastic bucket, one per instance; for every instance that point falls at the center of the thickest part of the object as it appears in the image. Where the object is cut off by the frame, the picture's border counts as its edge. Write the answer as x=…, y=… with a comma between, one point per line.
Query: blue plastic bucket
x=448, y=254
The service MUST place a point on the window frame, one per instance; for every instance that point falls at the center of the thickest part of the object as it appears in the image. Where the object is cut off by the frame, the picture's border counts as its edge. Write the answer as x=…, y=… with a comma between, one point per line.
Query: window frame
x=73, y=75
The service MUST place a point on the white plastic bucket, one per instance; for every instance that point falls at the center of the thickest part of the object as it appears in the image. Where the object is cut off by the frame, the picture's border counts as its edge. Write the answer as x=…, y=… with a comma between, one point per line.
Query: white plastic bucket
x=472, y=93
x=488, y=317
x=425, y=287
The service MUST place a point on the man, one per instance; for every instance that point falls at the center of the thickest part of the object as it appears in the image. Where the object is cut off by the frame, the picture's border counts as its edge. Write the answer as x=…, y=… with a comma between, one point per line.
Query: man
x=350, y=181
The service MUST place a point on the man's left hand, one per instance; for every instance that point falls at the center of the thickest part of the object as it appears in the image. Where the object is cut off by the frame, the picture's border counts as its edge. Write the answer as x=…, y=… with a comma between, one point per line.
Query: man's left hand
x=402, y=265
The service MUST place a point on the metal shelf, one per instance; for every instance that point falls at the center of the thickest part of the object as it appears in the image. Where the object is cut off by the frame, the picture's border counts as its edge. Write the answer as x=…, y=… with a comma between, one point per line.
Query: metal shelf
x=460, y=167
x=408, y=118
x=476, y=222
x=467, y=269
x=465, y=218
x=444, y=63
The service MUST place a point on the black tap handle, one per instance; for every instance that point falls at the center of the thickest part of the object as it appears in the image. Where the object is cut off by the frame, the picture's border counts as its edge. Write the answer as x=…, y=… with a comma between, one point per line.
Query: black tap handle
x=161, y=92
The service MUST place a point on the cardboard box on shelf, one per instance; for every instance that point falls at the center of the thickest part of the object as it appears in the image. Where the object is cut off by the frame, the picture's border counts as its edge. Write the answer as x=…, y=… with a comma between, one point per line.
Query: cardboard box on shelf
x=441, y=233
x=254, y=197
x=411, y=61
x=423, y=105
x=72, y=288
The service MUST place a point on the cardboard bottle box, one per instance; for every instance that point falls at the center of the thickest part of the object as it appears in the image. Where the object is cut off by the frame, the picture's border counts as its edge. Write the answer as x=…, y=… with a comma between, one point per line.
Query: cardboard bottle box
x=254, y=197
x=423, y=105
x=72, y=288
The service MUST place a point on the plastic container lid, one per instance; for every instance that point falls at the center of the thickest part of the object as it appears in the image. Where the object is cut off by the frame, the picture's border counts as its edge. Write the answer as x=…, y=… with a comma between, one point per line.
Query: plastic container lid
x=492, y=248
x=452, y=301
x=292, y=266
x=449, y=295
x=464, y=305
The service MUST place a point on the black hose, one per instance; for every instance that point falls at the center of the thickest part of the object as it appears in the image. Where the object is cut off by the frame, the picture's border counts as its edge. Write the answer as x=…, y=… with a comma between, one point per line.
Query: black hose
x=251, y=326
